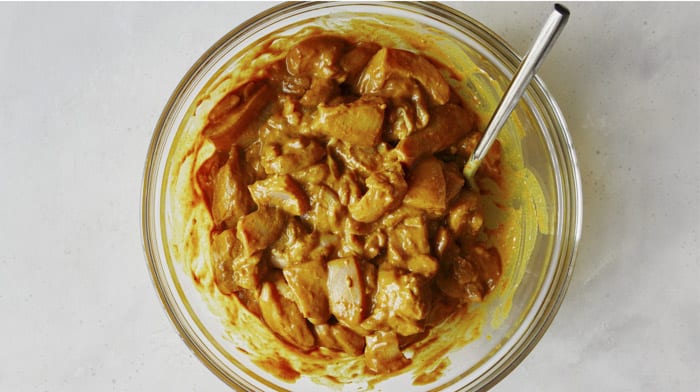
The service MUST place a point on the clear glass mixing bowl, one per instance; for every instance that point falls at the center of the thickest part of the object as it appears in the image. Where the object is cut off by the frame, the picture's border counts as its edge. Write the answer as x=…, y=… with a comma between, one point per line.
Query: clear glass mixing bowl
x=544, y=200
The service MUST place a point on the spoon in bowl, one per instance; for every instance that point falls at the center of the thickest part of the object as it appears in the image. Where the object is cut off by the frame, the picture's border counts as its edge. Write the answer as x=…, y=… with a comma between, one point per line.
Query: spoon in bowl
x=523, y=76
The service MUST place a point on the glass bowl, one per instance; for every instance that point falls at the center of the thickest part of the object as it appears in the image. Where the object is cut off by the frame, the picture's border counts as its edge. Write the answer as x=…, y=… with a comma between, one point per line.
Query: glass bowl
x=539, y=215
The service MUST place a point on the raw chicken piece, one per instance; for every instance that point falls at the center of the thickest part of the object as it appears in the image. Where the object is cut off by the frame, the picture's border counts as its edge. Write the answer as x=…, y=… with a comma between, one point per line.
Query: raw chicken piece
x=426, y=186
x=390, y=63
x=358, y=123
x=382, y=353
x=448, y=125
x=235, y=119
x=284, y=318
x=260, y=229
x=281, y=192
x=308, y=284
x=346, y=291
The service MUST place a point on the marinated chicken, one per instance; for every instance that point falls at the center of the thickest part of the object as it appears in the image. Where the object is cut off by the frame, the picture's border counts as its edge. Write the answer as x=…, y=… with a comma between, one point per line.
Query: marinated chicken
x=341, y=217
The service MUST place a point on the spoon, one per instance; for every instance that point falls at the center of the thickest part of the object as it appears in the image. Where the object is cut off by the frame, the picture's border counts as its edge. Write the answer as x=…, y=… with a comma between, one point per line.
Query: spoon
x=526, y=71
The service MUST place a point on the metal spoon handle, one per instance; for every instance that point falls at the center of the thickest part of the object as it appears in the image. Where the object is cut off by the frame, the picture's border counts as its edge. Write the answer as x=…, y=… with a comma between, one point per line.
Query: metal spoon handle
x=527, y=70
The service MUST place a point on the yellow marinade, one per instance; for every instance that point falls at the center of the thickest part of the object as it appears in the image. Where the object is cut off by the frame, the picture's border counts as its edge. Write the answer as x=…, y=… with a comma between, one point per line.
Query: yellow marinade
x=326, y=211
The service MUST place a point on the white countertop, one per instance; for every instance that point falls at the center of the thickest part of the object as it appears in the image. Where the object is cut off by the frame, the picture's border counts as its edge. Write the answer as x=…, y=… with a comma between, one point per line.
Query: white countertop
x=82, y=86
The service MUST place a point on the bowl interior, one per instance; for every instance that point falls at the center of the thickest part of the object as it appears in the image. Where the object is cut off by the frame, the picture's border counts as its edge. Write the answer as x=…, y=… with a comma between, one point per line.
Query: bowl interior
x=537, y=230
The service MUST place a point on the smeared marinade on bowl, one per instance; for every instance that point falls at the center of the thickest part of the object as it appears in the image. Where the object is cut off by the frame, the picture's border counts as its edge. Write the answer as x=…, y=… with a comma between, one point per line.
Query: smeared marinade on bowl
x=323, y=210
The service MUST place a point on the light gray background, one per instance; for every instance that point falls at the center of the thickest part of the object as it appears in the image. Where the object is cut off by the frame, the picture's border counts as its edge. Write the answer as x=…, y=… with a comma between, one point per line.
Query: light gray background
x=82, y=86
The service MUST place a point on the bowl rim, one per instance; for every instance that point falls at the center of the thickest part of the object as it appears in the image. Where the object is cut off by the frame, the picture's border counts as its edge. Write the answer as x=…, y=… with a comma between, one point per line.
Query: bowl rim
x=506, y=54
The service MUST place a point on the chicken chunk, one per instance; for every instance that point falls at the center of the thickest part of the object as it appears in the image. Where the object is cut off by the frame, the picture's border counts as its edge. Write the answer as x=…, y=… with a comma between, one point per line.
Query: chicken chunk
x=488, y=262
x=327, y=213
x=406, y=297
x=401, y=119
x=358, y=123
x=406, y=239
x=454, y=181
x=284, y=318
x=448, y=124
x=385, y=191
x=390, y=63
x=340, y=338
x=248, y=271
x=402, y=302
x=346, y=291
x=423, y=264
x=315, y=174
x=363, y=160
x=348, y=188
x=465, y=215
x=443, y=241
x=317, y=57
x=382, y=353
x=355, y=60
x=233, y=269
x=427, y=188
x=223, y=247
x=321, y=91
x=308, y=284
x=230, y=197
x=296, y=245
x=459, y=279
x=291, y=155
x=375, y=243
x=236, y=117
x=281, y=192
x=260, y=229
x=412, y=104
x=325, y=337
